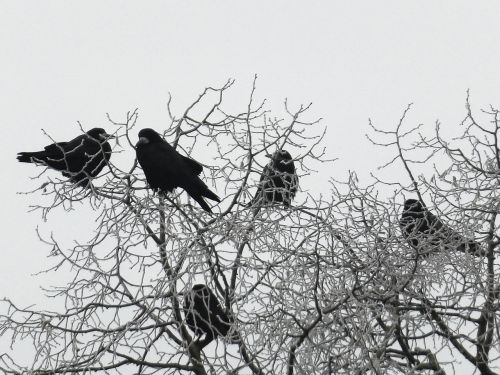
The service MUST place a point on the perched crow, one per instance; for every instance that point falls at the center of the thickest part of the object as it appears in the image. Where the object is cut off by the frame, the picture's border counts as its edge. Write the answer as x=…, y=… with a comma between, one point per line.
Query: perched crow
x=80, y=159
x=427, y=234
x=166, y=169
x=204, y=315
x=278, y=182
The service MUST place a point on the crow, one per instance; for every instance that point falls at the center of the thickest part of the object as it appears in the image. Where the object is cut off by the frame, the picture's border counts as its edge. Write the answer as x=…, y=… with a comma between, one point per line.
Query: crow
x=278, y=181
x=427, y=234
x=204, y=315
x=166, y=169
x=80, y=159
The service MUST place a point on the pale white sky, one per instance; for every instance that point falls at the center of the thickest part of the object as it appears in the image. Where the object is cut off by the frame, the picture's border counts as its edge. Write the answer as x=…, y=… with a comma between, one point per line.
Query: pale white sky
x=64, y=62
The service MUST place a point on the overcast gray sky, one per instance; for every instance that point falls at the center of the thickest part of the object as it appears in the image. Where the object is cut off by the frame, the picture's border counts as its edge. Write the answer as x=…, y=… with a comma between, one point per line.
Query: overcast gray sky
x=64, y=62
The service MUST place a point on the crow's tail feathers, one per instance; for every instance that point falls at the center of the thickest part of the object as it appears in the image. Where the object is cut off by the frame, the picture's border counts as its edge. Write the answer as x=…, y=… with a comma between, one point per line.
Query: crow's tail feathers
x=202, y=203
x=207, y=193
x=30, y=157
x=257, y=198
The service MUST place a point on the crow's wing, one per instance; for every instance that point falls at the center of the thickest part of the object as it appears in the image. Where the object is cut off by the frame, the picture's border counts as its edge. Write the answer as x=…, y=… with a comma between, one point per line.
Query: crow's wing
x=56, y=148
x=160, y=164
x=69, y=157
x=193, y=165
x=76, y=145
x=453, y=240
x=219, y=319
x=427, y=232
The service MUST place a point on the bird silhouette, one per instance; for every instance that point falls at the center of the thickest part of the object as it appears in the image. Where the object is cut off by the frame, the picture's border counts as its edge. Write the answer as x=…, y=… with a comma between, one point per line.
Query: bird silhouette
x=166, y=169
x=278, y=181
x=80, y=159
x=204, y=315
x=427, y=234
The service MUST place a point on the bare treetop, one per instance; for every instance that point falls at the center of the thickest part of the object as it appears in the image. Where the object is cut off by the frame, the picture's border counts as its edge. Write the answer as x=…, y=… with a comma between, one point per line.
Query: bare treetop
x=279, y=278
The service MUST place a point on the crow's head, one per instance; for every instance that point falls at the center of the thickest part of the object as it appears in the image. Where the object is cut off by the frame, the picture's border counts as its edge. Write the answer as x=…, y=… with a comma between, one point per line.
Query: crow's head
x=148, y=135
x=99, y=134
x=200, y=290
x=413, y=205
x=281, y=158
x=282, y=155
x=199, y=295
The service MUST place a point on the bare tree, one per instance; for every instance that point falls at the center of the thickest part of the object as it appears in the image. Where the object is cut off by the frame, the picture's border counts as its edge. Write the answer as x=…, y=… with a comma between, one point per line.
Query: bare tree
x=328, y=285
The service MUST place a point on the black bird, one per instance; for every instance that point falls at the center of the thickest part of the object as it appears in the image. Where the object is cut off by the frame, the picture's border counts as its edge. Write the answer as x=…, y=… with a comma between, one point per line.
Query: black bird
x=427, y=234
x=80, y=159
x=278, y=181
x=166, y=169
x=204, y=315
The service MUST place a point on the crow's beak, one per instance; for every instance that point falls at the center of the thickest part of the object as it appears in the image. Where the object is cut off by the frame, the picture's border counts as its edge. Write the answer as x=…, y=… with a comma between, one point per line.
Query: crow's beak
x=269, y=156
x=143, y=141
